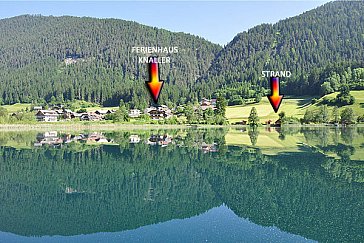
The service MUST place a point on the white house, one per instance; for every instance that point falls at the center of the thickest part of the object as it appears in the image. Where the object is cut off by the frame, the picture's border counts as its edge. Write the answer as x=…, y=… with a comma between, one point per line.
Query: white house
x=37, y=108
x=46, y=116
x=134, y=113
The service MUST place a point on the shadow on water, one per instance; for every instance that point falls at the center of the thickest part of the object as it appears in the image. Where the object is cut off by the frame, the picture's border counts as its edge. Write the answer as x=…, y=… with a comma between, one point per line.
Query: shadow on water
x=58, y=184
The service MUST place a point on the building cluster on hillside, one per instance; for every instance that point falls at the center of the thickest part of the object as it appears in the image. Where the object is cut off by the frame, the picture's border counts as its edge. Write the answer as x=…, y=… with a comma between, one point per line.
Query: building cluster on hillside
x=58, y=112
x=161, y=112
x=72, y=59
x=155, y=113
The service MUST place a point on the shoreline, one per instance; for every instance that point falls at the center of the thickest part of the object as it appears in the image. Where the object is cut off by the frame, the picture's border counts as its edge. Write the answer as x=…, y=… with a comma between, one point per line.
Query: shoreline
x=110, y=127
x=53, y=126
x=126, y=127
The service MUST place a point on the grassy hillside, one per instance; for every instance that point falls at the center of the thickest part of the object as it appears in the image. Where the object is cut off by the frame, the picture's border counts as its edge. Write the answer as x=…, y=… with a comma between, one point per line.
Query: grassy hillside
x=291, y=106
x=16, y=107
x=358, y=106
x=76, y=105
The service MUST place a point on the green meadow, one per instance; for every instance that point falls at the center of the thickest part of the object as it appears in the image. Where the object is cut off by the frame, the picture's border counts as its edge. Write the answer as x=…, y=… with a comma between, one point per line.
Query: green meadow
x=16, y=107
x=292, y=106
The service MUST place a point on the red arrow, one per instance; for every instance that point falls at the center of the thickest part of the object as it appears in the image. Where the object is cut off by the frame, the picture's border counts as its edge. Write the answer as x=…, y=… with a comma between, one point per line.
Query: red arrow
x=275, y=98
x=154, y=84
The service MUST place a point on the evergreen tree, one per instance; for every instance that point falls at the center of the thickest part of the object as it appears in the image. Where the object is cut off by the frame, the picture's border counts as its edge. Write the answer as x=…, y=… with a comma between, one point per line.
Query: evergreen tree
x=282, y=116
x=335, y=114
x=190, y=113
x=310, y=45
x=324, y=114
x=65, y=58
x=221, y=105
x=253, y=135
x=208, y=115
x=347, y=116
x=253, y=117
x=121, y=115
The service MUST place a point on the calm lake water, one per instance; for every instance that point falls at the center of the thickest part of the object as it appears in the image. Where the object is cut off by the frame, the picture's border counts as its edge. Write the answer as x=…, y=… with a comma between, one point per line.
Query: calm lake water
x=188, y=185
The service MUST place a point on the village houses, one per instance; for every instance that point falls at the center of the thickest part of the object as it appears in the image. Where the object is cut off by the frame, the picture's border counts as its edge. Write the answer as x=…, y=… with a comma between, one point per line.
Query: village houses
x=47, y=116
x=208, y=103
x=59, y=112
x=134, y=113
x=161, y=112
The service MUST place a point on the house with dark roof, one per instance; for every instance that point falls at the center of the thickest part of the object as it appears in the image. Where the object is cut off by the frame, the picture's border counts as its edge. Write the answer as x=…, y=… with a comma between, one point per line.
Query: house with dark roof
x=208, y=103
x=90, y=116
x=161, y=112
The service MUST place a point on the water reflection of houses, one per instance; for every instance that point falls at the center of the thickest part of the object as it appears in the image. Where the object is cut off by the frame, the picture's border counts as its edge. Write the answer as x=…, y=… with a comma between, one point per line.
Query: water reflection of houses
x=56, y=139
x=48, y=138
x=209, y=148
x=52, y=138
x=150, y=194
x=97, y=137
x=134, y=139
x=161, y=140
x=70, y=190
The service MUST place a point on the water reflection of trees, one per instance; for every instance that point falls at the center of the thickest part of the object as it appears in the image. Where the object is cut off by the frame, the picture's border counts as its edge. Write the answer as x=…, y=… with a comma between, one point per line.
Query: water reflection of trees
x=325, y=135
x=293, y=192
x=253, y=135
x=49, y=191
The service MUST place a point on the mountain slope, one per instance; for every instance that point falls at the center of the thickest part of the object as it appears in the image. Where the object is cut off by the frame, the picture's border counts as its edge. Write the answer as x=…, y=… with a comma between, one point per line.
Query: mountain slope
x=322, y=45
x=332, y=34
x=33, y=50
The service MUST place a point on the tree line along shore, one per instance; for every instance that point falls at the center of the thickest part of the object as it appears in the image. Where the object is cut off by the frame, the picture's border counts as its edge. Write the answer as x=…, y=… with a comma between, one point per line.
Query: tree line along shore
x=208, y=112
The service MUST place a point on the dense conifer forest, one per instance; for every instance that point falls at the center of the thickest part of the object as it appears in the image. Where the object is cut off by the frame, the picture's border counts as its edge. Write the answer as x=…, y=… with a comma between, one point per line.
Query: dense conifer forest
x=321, y=45
x=44, y=59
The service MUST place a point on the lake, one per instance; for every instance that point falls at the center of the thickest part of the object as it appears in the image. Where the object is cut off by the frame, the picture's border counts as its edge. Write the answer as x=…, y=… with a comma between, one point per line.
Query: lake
x=186, y=185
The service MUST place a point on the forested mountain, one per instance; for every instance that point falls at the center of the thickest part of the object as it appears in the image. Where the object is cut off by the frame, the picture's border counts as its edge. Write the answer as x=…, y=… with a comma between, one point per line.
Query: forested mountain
x=33, y=50
x=323, y=48
x=313, y=46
